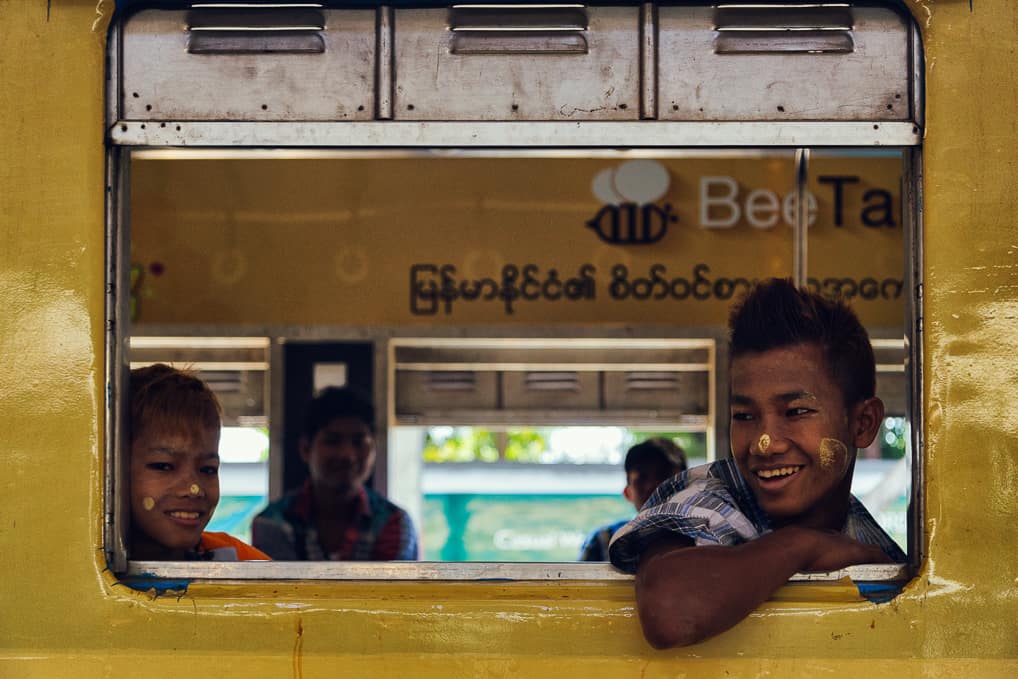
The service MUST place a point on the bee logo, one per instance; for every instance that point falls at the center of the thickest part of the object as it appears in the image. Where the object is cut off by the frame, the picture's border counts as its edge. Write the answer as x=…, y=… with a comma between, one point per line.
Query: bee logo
x=632, y=224
x=630, y=216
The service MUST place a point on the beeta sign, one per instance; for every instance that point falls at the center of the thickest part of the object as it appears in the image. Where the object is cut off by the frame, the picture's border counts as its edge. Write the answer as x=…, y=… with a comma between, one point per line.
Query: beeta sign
x=723, y=204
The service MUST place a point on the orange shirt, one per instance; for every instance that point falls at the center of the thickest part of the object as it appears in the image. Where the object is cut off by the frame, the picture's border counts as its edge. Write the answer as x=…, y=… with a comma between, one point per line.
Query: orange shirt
x=245, y=552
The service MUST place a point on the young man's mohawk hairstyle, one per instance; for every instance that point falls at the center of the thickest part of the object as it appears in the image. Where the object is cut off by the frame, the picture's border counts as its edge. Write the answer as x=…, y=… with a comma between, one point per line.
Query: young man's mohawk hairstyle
x=776, y=314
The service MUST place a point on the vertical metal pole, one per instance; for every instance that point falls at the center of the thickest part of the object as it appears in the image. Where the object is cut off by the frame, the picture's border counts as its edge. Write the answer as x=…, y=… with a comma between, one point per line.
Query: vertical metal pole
x=384, y=64
x=799, y=246
x=648, y=61
x=277, y=416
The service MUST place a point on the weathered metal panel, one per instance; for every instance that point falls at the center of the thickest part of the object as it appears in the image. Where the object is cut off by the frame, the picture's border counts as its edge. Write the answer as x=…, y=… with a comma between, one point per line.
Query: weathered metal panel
x=568, y=390
x=421, y=391
x=775, y=78
x=163, y=80
x=684, y=392
x=521, y=75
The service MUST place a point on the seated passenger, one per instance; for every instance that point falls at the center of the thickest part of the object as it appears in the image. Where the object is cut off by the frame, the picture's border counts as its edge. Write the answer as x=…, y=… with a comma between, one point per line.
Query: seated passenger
x=175, y=423
x=714, y=542
x=334, y=516
x=647, y=465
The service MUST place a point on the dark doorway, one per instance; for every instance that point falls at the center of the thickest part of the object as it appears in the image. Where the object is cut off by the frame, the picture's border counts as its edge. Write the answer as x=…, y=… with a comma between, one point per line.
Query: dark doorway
x=307, y=368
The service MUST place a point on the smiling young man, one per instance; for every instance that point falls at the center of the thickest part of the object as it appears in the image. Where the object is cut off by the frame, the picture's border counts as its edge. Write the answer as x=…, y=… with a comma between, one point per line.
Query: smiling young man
x=713, y=543
x=174, y=469
x=334, y=516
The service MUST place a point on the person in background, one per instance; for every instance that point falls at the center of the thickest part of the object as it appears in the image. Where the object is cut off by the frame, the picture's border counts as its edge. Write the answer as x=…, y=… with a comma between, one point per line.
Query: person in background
x=647, y=465
x=334, y=516
x=175, y=421
x=714, y=542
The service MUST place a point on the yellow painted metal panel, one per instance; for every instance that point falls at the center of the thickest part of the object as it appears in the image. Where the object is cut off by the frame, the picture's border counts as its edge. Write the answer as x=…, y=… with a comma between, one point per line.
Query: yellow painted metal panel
x=62, y=616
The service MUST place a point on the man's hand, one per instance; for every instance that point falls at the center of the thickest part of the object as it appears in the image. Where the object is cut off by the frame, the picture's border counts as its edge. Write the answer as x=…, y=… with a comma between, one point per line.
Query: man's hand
x=834, y=551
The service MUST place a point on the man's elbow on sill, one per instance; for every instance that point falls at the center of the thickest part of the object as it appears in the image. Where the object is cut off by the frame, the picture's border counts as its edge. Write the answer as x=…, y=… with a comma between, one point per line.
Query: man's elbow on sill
x=673, y=617
x=668, y=630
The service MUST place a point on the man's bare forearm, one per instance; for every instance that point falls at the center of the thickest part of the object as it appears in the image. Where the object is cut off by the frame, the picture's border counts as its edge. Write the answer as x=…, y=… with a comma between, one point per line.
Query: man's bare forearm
x=687, y=594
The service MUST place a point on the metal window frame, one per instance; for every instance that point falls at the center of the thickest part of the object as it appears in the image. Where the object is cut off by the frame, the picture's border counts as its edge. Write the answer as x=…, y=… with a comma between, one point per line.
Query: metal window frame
x=127, y=137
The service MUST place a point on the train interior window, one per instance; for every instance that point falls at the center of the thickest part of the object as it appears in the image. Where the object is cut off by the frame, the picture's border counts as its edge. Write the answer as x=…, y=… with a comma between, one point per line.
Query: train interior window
x=513, y=450
x=521, y=320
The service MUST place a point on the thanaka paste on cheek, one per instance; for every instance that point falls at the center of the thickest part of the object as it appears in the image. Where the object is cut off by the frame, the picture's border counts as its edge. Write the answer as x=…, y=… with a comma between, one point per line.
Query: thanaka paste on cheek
x=830, y=451
x=764, y=443
x=148, y=503
x=195, y=489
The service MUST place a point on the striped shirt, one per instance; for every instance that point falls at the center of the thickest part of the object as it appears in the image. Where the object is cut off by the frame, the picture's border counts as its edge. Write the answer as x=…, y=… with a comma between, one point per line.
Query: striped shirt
x=381, y=531
x=713, y=505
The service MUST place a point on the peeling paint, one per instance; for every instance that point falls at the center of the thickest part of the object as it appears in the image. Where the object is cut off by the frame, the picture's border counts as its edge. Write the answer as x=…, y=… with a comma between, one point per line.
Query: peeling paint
x=99, y=15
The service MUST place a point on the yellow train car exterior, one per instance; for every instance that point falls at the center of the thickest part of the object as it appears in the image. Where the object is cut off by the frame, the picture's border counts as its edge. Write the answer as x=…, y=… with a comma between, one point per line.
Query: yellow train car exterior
x=65, y=614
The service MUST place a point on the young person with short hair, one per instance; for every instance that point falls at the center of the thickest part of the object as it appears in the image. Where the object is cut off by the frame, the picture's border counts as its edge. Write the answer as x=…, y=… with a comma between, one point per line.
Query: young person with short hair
x=713, y=543
x=647, y=464
x=175, y=421
x=334, y=516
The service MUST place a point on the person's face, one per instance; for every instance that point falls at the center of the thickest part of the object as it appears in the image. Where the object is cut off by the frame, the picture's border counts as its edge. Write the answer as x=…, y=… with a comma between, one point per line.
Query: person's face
x=174, y=490
x=640, y=485
x=792, y=437
x=341, y=455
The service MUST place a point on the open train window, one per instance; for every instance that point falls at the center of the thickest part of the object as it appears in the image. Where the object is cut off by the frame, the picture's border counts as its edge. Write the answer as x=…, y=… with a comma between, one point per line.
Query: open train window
x=526, y=278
